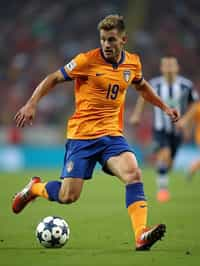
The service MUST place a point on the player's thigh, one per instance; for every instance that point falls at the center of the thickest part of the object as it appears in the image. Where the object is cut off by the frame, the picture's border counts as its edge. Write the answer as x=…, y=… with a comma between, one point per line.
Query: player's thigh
x=164, y=154
x=125, y=167
x=71, y=187
x=79, y=160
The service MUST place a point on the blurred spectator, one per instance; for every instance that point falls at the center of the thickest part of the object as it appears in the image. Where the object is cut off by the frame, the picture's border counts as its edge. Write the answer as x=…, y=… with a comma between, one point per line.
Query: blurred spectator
x=38, y=38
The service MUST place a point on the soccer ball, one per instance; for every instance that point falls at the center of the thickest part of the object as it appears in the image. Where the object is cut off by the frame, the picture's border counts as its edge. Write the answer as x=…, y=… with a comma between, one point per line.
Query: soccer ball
x=52, y=232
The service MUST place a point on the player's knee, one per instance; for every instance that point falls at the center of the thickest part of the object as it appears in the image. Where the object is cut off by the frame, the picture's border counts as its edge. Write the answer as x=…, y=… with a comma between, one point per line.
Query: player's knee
x=133, y=176
x=69, y=197
x=164, y=155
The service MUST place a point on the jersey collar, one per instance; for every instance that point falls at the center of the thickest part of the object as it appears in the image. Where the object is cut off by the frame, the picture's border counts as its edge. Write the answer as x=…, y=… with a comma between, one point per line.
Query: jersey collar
x=114, y=65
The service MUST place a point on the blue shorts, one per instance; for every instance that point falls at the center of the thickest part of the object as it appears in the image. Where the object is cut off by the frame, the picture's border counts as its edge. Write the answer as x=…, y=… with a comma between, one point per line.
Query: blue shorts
x=167, y=140
x=81, y=156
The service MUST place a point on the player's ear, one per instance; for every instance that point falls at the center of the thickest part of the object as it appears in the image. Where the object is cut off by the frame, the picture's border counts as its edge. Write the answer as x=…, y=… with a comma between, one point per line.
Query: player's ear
x=124, y=38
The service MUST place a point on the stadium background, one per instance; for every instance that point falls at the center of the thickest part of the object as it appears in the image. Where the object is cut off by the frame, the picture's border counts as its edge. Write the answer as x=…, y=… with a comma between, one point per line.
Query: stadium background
x=39, y=37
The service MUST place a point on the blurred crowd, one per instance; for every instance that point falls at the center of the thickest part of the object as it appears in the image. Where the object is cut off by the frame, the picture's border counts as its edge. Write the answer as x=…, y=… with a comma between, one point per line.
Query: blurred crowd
x=171, y=28
x=38, y=37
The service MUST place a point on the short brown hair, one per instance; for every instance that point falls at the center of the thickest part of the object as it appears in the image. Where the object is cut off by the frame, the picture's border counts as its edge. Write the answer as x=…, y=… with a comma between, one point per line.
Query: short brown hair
x=112, y=22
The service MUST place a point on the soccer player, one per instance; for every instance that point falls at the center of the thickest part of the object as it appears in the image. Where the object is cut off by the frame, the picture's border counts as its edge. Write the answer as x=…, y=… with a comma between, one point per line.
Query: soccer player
x=192, y=118
x=94, y=132
x=178, y=92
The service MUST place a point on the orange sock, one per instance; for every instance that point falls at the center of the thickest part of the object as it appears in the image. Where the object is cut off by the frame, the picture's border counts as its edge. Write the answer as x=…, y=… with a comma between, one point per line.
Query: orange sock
x=39, y=189
x=138, y=215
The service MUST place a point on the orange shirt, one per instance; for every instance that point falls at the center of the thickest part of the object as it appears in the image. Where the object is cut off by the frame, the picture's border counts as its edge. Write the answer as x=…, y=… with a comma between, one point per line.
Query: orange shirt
x=197, y=123
x=100, y=90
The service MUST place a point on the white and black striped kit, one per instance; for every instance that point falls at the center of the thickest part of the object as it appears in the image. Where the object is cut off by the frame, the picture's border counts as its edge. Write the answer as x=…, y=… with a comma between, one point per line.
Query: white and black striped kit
x=178, y=95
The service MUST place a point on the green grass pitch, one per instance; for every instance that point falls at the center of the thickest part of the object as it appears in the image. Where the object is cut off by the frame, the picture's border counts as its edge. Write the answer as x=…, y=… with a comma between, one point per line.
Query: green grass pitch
x=100, y=228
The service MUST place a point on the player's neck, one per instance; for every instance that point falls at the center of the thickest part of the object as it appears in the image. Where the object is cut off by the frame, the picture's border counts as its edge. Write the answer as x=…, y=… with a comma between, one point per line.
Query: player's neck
x=116, y=60
x=170, y=78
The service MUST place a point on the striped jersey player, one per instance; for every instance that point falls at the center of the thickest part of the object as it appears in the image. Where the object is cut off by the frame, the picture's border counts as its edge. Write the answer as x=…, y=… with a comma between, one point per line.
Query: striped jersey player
x=177, y=92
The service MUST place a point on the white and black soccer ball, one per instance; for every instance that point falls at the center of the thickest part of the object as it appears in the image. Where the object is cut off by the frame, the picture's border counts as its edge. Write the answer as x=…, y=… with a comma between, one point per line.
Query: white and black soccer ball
x=53, y=232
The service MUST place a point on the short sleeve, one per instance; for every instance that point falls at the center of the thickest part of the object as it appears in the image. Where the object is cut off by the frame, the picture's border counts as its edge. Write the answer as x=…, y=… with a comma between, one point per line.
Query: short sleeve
x=193, y=95
x=138, y=72
x=77, y=67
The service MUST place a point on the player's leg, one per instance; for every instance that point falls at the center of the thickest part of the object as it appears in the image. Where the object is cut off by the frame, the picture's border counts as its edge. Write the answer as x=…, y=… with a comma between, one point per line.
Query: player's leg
x=163, y=153
x=78, y=166
x=169, y=144
x=118, y=159
x=70, y=190
x=67, y=191
x=193, y=168
x=126, y=168
x=76, y=169
x=163, y=164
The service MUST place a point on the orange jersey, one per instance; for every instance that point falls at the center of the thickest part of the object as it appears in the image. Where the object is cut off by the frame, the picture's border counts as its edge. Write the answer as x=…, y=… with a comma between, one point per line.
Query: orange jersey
x=197, y=123
x=100, y=90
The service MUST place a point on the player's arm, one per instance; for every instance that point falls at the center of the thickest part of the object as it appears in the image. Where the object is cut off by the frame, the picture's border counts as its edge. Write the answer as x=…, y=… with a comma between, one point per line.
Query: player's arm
x=188, y=117
x=137, y=111
x=75, y=68
x=27, y=113
x=147, y=92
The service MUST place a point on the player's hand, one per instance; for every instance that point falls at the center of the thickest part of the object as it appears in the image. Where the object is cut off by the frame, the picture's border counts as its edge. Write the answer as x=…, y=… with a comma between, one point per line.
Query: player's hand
x=180, y=125
x=173, y=114
x=25, y=115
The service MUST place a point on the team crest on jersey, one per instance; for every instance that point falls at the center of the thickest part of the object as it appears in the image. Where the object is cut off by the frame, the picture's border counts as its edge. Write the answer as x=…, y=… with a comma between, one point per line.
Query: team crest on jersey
x=69, y=166
x=127, y=75
x=71, y=65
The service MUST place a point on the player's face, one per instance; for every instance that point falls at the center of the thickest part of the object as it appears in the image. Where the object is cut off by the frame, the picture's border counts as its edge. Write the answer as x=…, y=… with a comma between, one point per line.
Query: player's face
x=112, y=43
x=169, y=66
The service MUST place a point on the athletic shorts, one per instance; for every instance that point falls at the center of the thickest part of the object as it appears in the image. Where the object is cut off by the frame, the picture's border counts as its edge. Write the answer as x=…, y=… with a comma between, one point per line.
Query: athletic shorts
x=167, y=140
x=81, y=156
